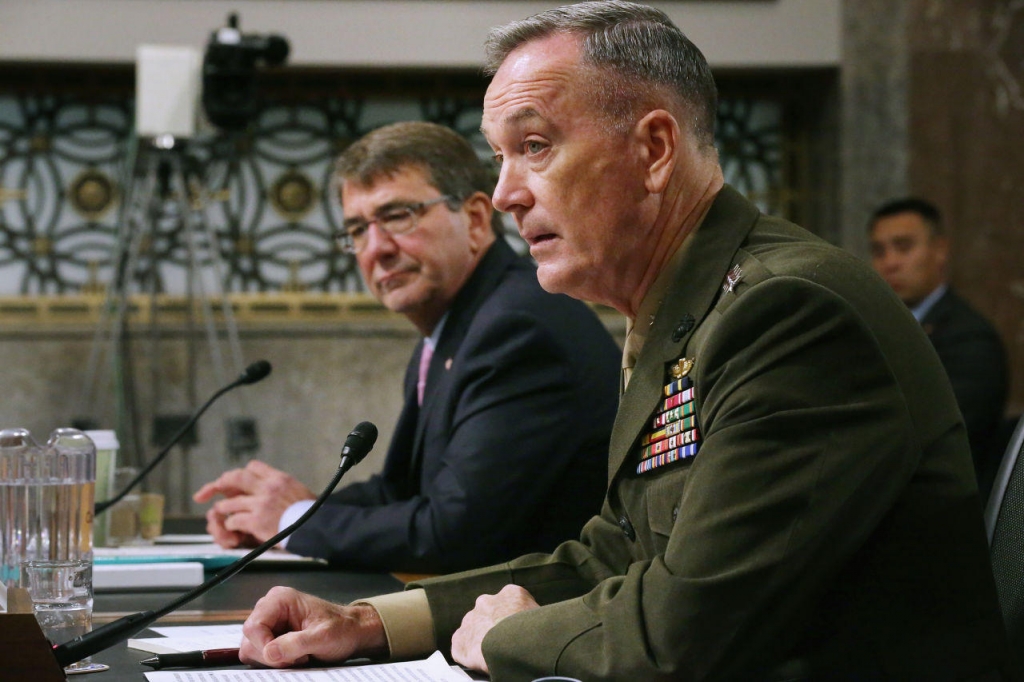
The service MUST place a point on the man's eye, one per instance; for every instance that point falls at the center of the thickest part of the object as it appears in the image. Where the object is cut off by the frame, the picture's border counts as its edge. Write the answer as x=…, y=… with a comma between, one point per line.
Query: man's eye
x=393, y=216
x=498, y=159
x=355, y=231
x=534, y=147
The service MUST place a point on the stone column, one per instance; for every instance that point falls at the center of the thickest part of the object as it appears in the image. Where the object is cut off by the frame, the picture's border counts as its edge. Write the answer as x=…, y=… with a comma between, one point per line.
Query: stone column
x=874, y=138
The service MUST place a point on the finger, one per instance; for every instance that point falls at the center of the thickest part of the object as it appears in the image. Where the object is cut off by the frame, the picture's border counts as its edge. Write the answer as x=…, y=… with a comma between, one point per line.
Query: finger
x=466, y=649
x=225, y=484
x=290, y=649
x=236, y=505
x=245, y=524
x=221, y=535
x=250, y=654
x=260, y=469
x=269, y=615
x=238, y=481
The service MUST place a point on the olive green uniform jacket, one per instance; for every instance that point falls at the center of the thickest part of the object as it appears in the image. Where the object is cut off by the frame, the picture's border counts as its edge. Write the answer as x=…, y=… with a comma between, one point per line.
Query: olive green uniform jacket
x=828, y=526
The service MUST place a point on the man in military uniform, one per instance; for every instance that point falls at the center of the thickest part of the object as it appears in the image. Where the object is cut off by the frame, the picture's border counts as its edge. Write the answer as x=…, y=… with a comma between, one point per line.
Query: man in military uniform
x=790, y=487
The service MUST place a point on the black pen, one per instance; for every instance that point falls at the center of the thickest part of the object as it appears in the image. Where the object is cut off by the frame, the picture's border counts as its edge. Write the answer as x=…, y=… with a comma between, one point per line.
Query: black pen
x=194, y=659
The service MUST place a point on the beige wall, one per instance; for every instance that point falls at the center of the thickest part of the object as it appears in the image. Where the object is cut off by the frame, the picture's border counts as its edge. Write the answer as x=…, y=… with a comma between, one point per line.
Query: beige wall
x=326, y=378
x=746, y=33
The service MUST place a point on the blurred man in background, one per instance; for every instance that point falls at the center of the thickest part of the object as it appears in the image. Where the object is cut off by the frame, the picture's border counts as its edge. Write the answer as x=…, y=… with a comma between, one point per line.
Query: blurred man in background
x=910, y=250
x=501, y=446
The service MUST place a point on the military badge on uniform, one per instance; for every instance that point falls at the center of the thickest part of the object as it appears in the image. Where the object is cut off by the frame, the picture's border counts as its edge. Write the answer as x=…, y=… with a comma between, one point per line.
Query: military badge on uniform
x=681, y=368
x=732, y=278
x=673, y=434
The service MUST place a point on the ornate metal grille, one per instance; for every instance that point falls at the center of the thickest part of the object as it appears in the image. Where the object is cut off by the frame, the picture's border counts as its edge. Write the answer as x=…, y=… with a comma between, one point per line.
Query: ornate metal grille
x=267, y=194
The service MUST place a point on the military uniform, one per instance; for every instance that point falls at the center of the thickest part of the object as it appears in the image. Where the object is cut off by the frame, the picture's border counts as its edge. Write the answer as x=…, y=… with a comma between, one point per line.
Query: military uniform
x=818, y=519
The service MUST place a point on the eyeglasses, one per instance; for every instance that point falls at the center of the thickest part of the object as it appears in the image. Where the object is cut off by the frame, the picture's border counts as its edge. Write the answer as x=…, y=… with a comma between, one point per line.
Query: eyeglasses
x=393, y=220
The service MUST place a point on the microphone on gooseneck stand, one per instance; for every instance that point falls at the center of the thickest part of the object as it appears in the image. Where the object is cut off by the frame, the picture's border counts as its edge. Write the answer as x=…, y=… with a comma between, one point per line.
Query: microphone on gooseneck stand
x=257, y=371
x=359, y=442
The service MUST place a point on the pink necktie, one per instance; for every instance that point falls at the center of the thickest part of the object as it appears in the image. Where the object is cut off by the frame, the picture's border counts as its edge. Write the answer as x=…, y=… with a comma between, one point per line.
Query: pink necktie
x=421, y=383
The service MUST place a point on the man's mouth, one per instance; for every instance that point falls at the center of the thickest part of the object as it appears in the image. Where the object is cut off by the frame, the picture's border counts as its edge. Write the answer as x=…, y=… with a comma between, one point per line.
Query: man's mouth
x=393, y=280
x=540, y=238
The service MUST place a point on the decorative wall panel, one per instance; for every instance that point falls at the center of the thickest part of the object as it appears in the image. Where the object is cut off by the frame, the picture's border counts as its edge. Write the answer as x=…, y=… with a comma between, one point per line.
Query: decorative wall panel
x=261, y=203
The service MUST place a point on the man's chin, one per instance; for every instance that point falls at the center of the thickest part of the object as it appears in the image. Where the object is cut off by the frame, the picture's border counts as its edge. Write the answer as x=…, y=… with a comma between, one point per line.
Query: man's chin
x=558, y=279
x=401, y=300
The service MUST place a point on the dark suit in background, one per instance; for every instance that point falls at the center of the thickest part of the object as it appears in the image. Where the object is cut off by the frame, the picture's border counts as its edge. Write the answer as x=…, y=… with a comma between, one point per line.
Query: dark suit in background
x=508, y=453
x=975, y=361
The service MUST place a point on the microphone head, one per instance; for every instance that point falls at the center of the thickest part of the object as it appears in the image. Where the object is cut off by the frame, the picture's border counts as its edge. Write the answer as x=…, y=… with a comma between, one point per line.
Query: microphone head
x=359, y=442
x=257, y=371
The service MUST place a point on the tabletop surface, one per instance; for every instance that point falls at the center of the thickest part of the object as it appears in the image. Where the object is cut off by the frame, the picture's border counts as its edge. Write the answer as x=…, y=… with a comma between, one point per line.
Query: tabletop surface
x=228, y=602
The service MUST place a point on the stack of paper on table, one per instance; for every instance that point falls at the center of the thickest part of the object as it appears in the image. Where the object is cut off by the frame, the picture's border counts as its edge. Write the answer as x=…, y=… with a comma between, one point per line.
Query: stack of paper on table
x=111, y=577
x=211, y=555
x=196, y=638
x=173, y=562
x=180, y=638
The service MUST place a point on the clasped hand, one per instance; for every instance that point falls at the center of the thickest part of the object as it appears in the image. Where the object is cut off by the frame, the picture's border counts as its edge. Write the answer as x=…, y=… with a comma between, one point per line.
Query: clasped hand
x=489, y=610
x=289, y=628
x=255, y=497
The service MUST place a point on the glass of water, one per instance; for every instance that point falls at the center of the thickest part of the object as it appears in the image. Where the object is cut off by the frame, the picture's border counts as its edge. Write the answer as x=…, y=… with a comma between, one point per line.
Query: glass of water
x=61, y=592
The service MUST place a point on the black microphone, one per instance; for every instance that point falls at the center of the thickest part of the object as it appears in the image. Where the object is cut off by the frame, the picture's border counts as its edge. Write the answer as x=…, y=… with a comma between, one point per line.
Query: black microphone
x=357, y=444
x=253, y=373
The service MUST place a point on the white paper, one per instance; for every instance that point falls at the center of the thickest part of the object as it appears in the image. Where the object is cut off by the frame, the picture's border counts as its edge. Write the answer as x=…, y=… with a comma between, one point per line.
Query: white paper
x=183, y=539
x=433, y=669
x=181, y=638
x=184, y=552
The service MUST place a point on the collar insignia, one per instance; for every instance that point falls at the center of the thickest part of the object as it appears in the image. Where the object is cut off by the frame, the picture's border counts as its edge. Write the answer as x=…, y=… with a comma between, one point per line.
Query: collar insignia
x=732, y=278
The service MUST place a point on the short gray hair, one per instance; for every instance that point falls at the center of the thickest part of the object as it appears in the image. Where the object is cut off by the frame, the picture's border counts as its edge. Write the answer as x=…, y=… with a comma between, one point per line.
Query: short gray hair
x=638, y=52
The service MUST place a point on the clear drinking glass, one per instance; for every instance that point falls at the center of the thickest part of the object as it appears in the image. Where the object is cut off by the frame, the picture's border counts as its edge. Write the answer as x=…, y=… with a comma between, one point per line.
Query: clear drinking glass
x=61, y=591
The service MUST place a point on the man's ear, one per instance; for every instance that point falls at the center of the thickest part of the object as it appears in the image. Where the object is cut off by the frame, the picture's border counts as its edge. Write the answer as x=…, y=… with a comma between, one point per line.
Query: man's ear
x=659, y=136
x=480, y=212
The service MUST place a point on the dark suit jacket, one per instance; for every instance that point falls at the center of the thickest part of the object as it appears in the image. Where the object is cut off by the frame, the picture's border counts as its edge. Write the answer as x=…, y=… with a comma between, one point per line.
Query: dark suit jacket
x=972, y=353
x=508, y=453
x=828, y=526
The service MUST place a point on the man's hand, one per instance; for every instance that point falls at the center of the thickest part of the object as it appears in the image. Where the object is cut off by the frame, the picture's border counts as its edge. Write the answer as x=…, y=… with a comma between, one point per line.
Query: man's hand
x=485, y=615
x=288, y=628
x=254, y=500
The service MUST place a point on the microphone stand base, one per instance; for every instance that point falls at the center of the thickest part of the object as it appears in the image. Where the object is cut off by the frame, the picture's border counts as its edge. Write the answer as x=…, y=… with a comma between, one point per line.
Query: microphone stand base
x=27, y=654
x=87, y=668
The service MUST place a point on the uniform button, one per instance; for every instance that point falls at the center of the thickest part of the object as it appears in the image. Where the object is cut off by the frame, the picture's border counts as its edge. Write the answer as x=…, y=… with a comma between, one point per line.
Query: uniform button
x=675, y=512
x=627, y=528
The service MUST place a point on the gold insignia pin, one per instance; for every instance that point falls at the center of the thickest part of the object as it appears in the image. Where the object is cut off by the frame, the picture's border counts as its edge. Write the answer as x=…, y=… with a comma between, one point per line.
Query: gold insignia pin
x=681, y=368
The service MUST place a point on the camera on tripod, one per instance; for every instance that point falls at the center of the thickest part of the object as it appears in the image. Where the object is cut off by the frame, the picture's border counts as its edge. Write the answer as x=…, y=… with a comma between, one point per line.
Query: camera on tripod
x=229, y=73
x=171, y=83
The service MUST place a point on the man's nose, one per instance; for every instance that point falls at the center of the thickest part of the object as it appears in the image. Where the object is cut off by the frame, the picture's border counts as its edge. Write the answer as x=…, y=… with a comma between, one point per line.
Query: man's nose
x=379, y=242
x=889, y=261
x=510, y=193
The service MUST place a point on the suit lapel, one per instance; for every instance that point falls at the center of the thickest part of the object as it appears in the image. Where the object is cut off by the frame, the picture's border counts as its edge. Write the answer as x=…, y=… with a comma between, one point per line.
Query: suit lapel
x=400, y=450
x=687, y=302
x=936, y=318
x=474, y=292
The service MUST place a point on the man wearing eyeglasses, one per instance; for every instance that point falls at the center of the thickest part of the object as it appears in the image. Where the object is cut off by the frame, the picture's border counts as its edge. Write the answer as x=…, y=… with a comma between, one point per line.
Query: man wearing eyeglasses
x=501, y=446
